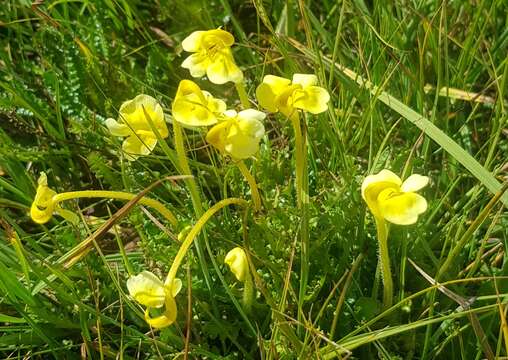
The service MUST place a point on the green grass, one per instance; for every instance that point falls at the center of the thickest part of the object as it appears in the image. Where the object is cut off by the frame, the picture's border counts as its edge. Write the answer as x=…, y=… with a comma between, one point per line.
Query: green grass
x=393, y=70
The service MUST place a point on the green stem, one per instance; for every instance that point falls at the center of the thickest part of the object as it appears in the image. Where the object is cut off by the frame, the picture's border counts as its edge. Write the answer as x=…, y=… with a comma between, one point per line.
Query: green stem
x=256, y=198
x=248, y=293
x=302, y=190
x=242, y=94
x=299, y=157
x=119, y=195
x=185, y=169
x=384, y=258
x=194, y=232
x=194, y=193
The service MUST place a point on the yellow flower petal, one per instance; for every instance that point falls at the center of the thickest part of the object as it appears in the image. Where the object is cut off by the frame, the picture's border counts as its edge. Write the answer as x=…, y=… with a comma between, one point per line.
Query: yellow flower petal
x=147, y=289
x=241, y=146
x=117, y=129
x=385, y=178
x=43, y=206
x=167, y=318
x=141, y=143
x=313, y=99
x=277, y=84
x=414, y=183
x=196, y=64
x=192, y=43
x=223, y=69
x=212, y=55
x=250, y=115
x=266, y=97
x=268, y=91
x=217, y=135
x=214, y=105
x=239, y=135
x=177, y=286
x=236, y=259
x=305, y=80
x=134, y=112
x=194, y=107
x=401, y=208
x=374, y=184
x=216, y=37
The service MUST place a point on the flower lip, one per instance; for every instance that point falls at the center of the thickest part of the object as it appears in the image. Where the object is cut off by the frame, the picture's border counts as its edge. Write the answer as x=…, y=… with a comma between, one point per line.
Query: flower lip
x=148, y=290
x=279, y=94
x=194, y=107
x=239, y=134
x=138, y=121
x=43, y=205
x=393, y=200
x=211, y=56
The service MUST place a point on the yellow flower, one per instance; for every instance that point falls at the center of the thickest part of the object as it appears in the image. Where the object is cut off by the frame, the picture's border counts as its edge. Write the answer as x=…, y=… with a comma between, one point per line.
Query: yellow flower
x=238, y=135
x=133, y=124
x=195, y=107
x=44, y=205
x=236, y=259
x=279, y=94
x=148, y=290
x=212, y=56
x=389, y=198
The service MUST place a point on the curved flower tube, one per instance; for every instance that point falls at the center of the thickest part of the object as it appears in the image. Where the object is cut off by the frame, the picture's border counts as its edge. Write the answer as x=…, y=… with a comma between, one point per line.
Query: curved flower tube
x=279, y=94
x=195, y=107
x=47, y=201
x=134, y=124
x=212, y=56
x=393, y=200
x=148, y=290
x=238, y=135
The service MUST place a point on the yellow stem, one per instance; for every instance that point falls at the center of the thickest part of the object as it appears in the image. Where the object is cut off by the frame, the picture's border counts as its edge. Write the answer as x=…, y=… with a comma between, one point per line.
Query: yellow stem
x=256, y=198
x=382, y=237
x=194, y=232
x=119, y=195
x=242, y=94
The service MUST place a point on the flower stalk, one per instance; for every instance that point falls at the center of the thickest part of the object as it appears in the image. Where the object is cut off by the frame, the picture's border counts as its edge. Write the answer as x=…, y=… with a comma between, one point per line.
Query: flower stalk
x=392, y=200
x=248, y=293
x=117, y=195
x=242, y=94
x=185, y=168
x=384, y=259
x=256, y=198
x=195, y=231
x=302, y=189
